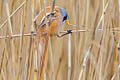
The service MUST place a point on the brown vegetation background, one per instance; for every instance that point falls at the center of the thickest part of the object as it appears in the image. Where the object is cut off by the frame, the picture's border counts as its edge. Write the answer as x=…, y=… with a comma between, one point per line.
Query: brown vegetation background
x=95, y=53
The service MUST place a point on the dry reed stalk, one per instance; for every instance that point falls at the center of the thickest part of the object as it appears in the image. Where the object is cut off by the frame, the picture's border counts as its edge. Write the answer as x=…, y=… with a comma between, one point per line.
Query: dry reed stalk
x=117, y=12
x=2, y=74
x=32, y=6
x=25, y=61
x=12, y=14
x=1, y=63
x=18, y=35
x=30, y=58
x=35, y=73
x=76, y=34
x=87, y=13
x=33, y=38
x=8, y=15
x=116, y=73
x=85, y=62
x=35, y=66
x=31, y=49
x=1, y=9
x=45, y=1
x=115, y=23
x=6, y=54
x=102, y=16
x=69, y=57
x=43, y=68
x=99, y=68
x=12, y=40
x=101, y=55
x=103, y=2
x=58, y=69
x=52, y=5
x=21, y=35
x=51, y=60
x=6, y=75
x=116, y=30
x=40, y=4
x=20, y=48
x=35, y=77
x=109, y=56
x=45, y=76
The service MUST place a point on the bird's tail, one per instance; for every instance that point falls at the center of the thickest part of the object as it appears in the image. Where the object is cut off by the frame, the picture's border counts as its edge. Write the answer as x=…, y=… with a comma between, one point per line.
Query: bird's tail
x=42, y=55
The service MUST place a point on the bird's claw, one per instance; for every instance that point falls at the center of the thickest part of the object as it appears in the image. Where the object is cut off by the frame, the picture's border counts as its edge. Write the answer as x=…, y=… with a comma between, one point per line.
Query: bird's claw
x=69, y=31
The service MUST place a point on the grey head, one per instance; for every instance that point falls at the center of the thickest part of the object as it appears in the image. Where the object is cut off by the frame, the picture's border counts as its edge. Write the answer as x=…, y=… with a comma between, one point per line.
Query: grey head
x=64, y=14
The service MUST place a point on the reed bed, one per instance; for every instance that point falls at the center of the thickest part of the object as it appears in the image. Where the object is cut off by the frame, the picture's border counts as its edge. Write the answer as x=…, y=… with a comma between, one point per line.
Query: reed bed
x=90, y=52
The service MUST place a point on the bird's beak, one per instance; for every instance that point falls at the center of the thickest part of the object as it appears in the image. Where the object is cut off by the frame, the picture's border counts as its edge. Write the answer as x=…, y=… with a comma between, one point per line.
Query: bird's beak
x=67, y=21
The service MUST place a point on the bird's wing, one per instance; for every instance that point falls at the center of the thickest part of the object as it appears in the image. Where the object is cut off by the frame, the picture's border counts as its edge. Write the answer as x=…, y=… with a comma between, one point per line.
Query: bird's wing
x=43, y=22
x=49, y=16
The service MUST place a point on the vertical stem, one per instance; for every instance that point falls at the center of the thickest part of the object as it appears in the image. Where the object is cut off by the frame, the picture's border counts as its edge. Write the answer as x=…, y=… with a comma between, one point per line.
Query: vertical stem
x=44, y=61
x=116, y=73
x=69, y=56
x=40, y=4
x=52, y=6
x=45, y=14
x=42, y=76
x=21, y=34
x=87, y=55
x=35, y=65
x=103, y=15
x=12, y=40
x=45, y=75
x=51, y=60
x=8, y=15
x=32, y=8
x=20, y=47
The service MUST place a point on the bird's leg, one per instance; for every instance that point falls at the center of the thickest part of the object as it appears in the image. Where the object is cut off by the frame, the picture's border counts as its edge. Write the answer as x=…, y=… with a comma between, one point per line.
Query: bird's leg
x=68, y=32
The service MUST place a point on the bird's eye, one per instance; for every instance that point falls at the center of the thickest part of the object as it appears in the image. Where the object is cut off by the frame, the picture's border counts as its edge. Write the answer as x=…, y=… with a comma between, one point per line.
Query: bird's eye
x=64, y=18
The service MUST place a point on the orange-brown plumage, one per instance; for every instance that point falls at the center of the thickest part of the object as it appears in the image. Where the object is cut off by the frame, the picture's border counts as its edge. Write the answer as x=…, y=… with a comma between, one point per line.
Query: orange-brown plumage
x=55, y=21
x=53, y=25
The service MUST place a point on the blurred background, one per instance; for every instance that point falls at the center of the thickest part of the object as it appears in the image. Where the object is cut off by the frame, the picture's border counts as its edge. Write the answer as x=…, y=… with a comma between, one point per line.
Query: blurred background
x=95, y=52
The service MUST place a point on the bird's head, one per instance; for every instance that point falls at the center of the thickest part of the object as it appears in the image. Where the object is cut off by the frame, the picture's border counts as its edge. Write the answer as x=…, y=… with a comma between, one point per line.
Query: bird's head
x=64, y=15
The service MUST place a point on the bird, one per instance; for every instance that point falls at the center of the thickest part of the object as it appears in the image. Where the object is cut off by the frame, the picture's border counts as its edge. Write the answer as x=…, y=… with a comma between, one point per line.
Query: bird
x=48, y=23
